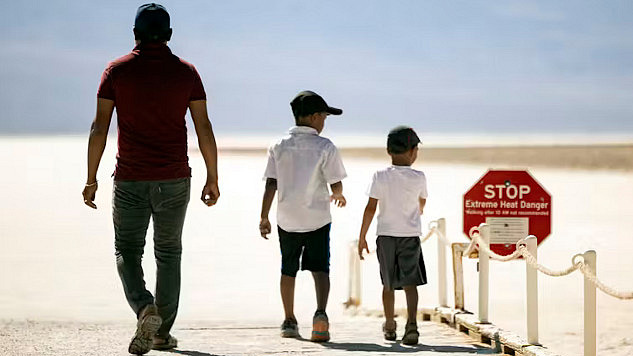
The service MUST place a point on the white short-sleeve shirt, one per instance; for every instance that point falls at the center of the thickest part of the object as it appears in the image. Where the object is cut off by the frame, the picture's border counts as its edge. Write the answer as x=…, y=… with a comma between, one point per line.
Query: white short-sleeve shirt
x=304, y=163
x=398, y=189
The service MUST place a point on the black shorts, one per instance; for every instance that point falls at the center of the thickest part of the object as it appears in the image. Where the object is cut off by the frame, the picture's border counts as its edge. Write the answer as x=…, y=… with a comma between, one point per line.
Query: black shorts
x=312, y=247
x=401, y=261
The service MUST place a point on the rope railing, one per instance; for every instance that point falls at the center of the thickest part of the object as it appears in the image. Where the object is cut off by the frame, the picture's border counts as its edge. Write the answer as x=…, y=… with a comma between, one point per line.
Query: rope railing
x=603, y=287
x=578, y=263
x=526, y=248
x=433, y=229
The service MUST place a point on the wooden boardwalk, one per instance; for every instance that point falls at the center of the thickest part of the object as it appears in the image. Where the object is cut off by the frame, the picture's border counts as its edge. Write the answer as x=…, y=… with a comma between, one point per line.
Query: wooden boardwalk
x=351, y=335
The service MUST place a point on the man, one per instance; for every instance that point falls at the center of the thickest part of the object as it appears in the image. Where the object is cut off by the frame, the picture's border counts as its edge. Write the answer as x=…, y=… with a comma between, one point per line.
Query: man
x=151, y=89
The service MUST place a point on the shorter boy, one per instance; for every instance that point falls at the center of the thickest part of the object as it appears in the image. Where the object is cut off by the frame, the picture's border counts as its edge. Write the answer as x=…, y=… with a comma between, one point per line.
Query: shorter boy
x=400, y=192
x=300, y=168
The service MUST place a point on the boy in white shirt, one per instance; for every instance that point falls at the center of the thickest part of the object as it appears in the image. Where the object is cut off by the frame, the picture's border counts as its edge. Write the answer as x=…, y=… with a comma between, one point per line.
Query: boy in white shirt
x=300, y=167
x=400, y=193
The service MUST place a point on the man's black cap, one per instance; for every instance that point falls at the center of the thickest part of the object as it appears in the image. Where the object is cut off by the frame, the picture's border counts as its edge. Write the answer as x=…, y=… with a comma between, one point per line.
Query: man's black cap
x=152, y=23
x=308, y=102
x=401, y=139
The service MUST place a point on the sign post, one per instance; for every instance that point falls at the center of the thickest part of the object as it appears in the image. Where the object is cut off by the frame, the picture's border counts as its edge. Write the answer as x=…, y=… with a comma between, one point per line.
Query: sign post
x=513, y=204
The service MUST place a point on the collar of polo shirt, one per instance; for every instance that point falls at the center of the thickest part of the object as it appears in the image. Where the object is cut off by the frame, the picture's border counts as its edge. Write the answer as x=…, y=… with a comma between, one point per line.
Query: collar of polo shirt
x=303, y=130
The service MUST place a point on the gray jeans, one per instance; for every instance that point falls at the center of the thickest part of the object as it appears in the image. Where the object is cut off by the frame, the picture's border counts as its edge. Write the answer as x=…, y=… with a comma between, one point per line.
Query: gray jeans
x=133, y=203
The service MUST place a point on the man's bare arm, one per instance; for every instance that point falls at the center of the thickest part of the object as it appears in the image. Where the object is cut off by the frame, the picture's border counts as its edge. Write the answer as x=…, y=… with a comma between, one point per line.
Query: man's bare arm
x=96, y=146
x=208, y=148
x=267, y=201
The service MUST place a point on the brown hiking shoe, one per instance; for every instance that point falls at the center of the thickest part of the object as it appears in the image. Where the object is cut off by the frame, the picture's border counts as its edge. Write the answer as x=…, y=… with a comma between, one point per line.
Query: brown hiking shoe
x=148, y=323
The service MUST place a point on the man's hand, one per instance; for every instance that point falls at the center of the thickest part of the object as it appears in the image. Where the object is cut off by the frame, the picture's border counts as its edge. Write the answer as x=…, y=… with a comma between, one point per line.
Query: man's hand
x=264, y=227
x=210, y=194
x=338, y=199
x=362, y=245
x=89, y=193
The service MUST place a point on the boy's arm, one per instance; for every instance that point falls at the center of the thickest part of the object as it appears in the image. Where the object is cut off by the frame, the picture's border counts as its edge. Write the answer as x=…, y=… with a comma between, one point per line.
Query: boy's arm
x=337, y=194
x=422, y=204
x=267, y=201
x=368, y=216
x=206, y=143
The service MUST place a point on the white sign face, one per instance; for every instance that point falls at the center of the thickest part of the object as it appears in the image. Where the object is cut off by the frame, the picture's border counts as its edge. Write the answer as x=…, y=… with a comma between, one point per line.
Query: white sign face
x=507, y=230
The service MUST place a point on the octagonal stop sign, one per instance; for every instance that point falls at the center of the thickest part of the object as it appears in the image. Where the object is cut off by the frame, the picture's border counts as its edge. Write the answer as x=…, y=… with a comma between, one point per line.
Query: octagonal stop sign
x=513, y=203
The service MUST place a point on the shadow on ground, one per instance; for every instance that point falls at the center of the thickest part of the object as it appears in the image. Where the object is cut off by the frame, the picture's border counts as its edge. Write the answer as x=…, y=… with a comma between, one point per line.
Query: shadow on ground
x=367, y=347
x=190, y=353
x=397, y=347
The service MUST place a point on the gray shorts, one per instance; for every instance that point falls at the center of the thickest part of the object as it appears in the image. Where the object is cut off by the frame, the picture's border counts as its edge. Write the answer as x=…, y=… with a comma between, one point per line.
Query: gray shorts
x=401, y=261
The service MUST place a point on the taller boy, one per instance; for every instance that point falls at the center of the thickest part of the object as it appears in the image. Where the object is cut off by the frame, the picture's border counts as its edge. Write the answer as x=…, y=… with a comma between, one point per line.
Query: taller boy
x=151, y=89
x=300, y=167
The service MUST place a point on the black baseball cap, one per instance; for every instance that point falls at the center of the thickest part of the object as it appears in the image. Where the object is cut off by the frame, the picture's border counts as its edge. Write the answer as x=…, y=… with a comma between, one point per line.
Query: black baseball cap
x=308, y=102
x=401, y=139
x=152, y=23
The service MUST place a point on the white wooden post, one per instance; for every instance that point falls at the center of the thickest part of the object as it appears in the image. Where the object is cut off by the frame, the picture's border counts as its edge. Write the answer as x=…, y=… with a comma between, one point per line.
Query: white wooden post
x=441, y=262
x=354, y=286
x=458, y=273
x=359, y=274
x=532, y=292
x=590, y=306
x=484, y=259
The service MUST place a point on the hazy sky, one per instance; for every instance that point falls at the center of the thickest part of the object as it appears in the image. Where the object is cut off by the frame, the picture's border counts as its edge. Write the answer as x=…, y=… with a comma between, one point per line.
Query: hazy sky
x=440, y=66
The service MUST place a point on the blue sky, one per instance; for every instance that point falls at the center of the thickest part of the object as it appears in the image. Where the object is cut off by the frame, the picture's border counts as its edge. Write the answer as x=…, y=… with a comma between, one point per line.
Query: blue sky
x=440, y=66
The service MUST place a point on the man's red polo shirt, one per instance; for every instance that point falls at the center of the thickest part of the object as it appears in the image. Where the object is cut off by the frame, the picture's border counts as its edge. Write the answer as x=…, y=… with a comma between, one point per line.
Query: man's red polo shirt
x=151, y=89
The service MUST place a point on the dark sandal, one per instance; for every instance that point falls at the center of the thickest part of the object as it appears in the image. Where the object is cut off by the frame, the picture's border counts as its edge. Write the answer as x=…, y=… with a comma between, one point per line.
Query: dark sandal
x=411, y=334
x=167, y=344
x=389, y=332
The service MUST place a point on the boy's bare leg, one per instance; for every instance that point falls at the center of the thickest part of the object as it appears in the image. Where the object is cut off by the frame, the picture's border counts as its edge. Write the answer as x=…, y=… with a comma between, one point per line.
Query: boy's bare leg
x=287, y=288
x=411, y=293
x=411, y=334
x=322, y=287
x=320, y=323
x=388, y=300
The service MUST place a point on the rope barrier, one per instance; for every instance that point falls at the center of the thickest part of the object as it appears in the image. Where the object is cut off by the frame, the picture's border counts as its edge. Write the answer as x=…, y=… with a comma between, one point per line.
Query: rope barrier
x=429, y=234
x=603, y=287
x=531, y=260
x=577, y=264
x=434, y=225
x=434, y=229
x=481, y=244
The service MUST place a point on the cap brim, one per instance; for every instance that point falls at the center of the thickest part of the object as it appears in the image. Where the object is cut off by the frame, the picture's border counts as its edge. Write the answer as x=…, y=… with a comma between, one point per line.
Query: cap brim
x=334, y=111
